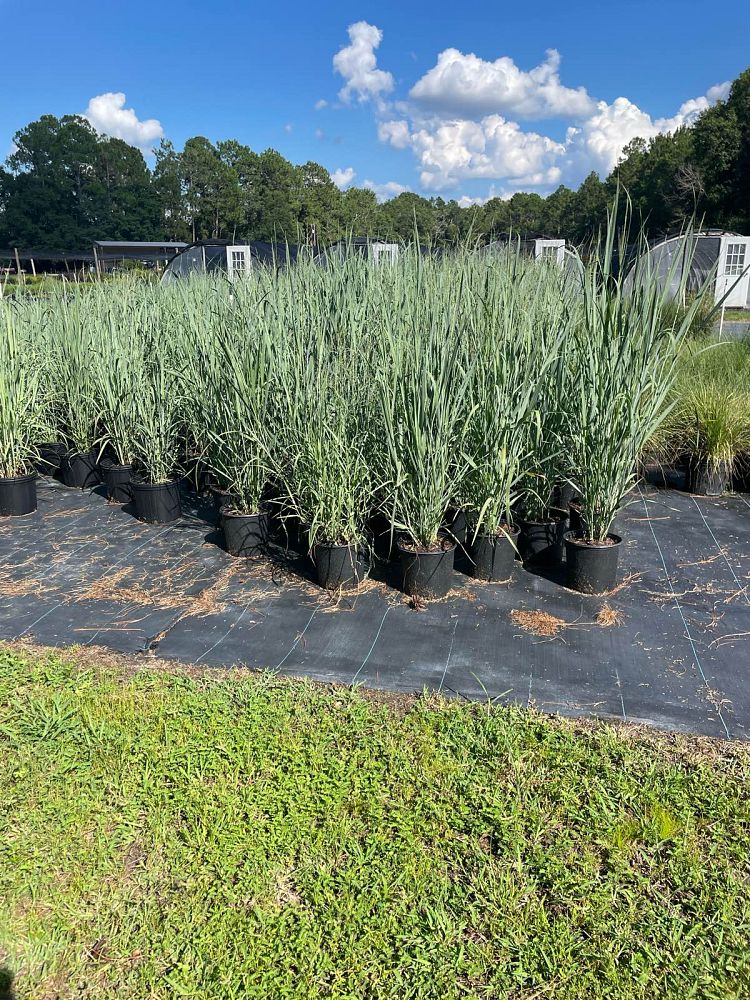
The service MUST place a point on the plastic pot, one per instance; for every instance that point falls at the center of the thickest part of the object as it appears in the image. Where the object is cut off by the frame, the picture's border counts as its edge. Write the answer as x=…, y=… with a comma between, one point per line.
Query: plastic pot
x=493, y=556
x=709, y=479
x=562, y=494
x=337, y=566
x=117, y=480
x=156, y=503
x=18, y=495
x=383, y=538
x=592, y=569
x=50, y=457
x=221, y=497
x=80, y=470
x=542, y=543
x=456, y=527
x=427, y=574
x=244, y=534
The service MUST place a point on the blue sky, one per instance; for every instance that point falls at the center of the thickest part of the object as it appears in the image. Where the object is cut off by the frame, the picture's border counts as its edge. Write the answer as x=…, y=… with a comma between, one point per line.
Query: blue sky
x=463, y=100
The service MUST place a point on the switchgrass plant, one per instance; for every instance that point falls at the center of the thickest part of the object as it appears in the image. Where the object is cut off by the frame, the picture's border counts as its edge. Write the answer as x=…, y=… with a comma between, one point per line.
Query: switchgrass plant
x=513, y=444
x=21, y=409
x=623, y=366
x=158, y=397
x=466, y=379
x=426, y=410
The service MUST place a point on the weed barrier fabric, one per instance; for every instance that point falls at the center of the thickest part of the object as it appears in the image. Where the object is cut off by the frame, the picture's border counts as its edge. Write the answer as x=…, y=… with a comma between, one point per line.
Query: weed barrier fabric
x=670, y=647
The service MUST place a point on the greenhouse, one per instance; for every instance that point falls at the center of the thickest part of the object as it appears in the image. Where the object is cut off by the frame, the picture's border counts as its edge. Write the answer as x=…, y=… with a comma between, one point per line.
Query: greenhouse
x=235, y=259
x=372, y=248
x=684, y=265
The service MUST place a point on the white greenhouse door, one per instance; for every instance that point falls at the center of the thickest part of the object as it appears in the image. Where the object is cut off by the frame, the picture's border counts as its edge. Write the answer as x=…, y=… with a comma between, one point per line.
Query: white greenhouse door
x=733, y=276
x=550, y=249
x=238, y=261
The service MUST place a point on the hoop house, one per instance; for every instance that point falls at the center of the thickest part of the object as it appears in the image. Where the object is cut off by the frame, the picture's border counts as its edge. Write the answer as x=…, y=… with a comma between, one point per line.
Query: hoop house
x=233, y=259
x=688, y=262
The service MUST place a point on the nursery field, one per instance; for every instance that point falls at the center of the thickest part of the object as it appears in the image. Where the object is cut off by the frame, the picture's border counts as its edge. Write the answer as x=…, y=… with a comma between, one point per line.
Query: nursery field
x=168, y=834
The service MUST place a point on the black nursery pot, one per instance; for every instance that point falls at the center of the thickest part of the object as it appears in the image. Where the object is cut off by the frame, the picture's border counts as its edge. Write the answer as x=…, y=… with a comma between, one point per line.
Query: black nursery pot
x=542, y=543
x=592, y=569
x=18, y=495
x=456, y=526
x=221, y=498
x=117, y=480
x=708, y=479
x=80, y=470
x=50, y=457
x=493, y=556
x=156, y=503
x=337, y=565
x=427, y=574
x=244, y=534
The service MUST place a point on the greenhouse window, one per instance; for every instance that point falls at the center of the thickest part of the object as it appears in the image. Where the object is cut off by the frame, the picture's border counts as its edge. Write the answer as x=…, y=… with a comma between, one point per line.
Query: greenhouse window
x=735, y=263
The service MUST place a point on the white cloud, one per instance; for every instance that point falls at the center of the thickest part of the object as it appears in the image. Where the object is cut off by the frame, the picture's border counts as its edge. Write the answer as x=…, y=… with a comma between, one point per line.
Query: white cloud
x=288, y=128
x=319, y=134
x=357, y=64
x=462, y=119
x=383, y=192
x=395, y=133
x=322, y=103
x=466, y=86
x=598, y=143
x=342, y=178
x=108, y=114
x=451, y=151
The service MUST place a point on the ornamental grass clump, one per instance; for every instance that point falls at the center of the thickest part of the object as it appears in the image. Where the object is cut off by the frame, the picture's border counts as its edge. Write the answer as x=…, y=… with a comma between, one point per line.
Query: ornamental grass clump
x=327, y=465
x=516, y=357
x=624, y=355
x=21, y=400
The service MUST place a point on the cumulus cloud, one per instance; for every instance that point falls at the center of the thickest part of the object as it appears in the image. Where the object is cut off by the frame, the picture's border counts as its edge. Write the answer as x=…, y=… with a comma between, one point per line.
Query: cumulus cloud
x=322, y=103
x=466, y=86
x=357, y=64
x=449, y=152
x=384, y=192
x=462, y=118
x=108, y=114
x=343, y=177
x=597, y=144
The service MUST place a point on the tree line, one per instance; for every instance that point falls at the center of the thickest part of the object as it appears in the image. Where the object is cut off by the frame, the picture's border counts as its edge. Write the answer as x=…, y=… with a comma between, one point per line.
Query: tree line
x=64, y=186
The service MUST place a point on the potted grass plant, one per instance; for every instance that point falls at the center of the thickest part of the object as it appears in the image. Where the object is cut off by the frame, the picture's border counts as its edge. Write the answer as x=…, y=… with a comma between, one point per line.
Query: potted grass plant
x=239, y=436
x=424, y=389
x=20, y=423
x=159, y=428
x=116, y=379
x=625, y=359
x=507, y=386
x=74, y=354
x=326, y=462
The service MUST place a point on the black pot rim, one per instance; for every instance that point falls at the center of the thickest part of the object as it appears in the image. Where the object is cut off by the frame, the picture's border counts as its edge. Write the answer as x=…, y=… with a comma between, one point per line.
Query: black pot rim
x=236, y=515
x=107, y=463
x=139, y=484
x=452, y=545
x=336, y=545
x=510, y=532
x=571, y=539
x=25, y=478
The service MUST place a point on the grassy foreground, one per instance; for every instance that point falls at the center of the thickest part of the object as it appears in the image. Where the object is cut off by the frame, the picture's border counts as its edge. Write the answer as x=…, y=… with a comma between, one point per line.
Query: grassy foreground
x=242, y=836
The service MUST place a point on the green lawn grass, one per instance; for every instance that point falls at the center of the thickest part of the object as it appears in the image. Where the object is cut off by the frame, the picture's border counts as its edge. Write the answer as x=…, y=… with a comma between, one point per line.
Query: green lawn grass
x=242, y=836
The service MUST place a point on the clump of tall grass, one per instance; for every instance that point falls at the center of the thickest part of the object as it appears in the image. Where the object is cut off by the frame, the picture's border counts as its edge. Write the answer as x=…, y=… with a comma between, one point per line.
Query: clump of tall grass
x=623, y=361
x=21, y=401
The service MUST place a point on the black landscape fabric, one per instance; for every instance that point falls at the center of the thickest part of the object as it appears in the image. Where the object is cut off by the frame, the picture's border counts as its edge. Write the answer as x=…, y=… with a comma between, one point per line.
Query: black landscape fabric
x=669, y=647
